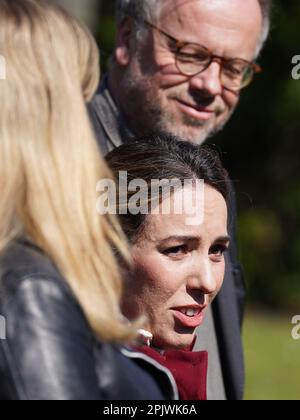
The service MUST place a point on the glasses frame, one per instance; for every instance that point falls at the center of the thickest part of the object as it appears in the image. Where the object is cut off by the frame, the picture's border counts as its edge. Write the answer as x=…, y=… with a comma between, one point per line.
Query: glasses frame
x=253, y=66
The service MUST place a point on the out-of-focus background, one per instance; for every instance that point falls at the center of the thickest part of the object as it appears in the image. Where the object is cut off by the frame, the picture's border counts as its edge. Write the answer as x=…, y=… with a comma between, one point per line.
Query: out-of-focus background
x=261, y=149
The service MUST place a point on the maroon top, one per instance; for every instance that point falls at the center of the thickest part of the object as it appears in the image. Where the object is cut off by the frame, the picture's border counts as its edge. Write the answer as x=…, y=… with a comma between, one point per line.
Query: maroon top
x=188, y=368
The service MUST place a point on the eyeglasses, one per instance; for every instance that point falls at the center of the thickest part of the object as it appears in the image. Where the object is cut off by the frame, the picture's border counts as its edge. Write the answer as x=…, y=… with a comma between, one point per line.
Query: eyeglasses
x=192, y=59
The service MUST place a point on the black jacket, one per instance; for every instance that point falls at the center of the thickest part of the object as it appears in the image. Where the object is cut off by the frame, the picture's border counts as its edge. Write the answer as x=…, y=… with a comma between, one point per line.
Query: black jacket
x=228, y=308
x=50, y=352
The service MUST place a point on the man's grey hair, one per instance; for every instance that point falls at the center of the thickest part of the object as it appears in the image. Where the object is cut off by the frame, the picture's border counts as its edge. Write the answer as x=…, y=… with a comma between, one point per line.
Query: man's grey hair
x=140, y=9
x=150, y=9
x=266, y=8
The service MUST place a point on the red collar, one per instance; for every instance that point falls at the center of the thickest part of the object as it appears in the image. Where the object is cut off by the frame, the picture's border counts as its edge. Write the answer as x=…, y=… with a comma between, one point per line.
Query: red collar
x=188, y=368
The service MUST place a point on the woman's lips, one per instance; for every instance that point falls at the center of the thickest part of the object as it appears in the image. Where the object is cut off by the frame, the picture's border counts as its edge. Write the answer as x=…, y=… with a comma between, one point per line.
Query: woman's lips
x=189, y=321
x=197, y=112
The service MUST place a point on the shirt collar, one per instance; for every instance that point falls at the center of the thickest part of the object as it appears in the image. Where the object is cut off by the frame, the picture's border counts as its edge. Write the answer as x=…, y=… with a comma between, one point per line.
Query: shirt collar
x=113, y=121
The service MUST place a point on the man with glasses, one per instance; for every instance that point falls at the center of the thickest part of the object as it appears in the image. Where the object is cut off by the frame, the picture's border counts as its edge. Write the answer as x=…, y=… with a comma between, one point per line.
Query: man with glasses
x=179, y=67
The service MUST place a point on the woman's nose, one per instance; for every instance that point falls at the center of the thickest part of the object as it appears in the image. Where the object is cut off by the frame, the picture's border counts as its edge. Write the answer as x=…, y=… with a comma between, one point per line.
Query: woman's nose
x=202, y=277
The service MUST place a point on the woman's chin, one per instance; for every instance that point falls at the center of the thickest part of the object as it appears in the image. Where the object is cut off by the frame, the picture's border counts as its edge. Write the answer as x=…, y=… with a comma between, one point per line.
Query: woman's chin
x=178, y=342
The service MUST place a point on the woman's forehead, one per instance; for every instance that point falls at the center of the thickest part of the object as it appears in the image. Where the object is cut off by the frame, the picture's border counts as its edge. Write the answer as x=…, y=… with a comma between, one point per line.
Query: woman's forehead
x=210, y=215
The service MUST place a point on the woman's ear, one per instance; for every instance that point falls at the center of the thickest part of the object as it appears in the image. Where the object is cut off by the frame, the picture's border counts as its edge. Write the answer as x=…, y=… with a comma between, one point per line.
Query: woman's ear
x=124, y=36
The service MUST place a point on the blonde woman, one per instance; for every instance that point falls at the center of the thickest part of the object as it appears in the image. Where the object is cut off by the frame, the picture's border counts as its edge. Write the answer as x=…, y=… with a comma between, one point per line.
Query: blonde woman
x=59, y=283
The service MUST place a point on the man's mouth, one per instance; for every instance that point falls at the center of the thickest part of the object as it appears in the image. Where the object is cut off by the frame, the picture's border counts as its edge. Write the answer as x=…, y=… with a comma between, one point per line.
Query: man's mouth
x=195, y=111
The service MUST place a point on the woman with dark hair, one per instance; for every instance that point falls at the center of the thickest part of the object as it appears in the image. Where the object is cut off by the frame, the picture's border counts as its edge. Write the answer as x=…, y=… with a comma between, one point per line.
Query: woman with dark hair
x=172, y=206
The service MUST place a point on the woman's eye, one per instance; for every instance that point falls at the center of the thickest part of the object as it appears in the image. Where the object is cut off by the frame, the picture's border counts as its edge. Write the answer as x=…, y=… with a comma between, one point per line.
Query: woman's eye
x=175, y=251
x=218, y=250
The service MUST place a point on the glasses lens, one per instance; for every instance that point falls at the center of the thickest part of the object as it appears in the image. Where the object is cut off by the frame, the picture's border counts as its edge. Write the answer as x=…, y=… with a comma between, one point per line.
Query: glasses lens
x=192, y=59
x=236, y=74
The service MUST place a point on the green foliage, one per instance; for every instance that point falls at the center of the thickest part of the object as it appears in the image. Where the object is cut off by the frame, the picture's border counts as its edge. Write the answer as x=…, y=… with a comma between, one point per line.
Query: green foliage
x=106, y=35
x=272, y=358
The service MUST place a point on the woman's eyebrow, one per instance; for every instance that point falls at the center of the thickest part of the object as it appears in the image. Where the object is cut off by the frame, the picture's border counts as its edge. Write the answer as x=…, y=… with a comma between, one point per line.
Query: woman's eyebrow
x=178, y=238
x=189, y=238
x=224, y=238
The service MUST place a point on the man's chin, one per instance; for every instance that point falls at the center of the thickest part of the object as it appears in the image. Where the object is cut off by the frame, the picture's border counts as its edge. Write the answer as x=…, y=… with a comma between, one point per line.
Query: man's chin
x=195, y=135
x=190, y=129
x=199, y=134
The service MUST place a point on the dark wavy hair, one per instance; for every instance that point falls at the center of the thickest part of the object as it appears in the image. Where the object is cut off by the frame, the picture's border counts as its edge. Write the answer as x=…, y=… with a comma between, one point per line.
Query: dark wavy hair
x=163, y=157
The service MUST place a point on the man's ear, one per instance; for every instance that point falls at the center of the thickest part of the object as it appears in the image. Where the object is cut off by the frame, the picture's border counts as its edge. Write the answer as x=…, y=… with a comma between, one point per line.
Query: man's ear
x=124, y=36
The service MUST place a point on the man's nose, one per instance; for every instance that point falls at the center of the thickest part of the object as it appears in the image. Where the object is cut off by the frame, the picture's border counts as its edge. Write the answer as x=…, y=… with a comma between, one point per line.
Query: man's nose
x=209, y=81
x=202, y=278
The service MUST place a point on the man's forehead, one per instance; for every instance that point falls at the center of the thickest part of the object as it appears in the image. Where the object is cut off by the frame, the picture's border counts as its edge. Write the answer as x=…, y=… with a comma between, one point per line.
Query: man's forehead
x=168, y=6
x=181, y=9
x=237, y=23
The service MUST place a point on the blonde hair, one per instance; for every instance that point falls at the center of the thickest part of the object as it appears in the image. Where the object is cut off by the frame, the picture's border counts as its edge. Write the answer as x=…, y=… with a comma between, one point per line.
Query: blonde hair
x=49, y=160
